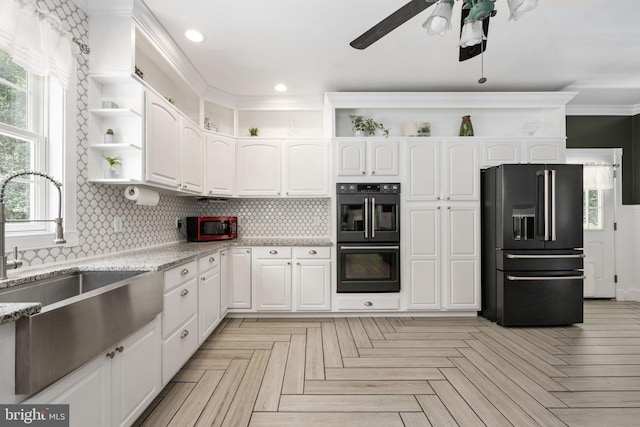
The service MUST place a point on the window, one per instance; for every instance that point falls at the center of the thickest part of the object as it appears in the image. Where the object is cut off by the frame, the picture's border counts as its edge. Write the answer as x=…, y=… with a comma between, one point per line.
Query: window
x=32, y=137
x=592, y=209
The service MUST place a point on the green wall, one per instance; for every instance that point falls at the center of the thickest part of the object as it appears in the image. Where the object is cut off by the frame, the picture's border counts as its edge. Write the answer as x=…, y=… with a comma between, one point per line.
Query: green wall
x=611, y=132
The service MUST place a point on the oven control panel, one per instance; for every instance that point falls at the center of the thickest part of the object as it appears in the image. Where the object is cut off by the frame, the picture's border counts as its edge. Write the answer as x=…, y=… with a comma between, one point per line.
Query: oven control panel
x=347, y=188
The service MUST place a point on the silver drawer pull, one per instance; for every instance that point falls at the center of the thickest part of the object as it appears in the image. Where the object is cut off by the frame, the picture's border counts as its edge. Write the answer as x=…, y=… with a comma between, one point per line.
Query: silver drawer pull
x=120, y=349
x=531, y=278
x=368, y=304
x=212, y=259
x=184, y=292
x=184, y=271
x=111, y=354
x=273, y=252
x=312, y=252
x=184, y=334
x=571, y=256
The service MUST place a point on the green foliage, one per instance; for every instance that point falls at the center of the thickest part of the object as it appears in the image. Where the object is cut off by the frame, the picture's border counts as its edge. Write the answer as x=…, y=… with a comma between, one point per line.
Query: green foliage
x=368, y=126
x=113, y=161
x=15, y=154
x=253, y=131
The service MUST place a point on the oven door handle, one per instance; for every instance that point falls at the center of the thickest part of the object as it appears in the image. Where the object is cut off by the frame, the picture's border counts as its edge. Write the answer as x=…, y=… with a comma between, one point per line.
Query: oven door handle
x=516, y=256
x=538, y=278
x=373, y=217
x=366, y=218
x=360, y=248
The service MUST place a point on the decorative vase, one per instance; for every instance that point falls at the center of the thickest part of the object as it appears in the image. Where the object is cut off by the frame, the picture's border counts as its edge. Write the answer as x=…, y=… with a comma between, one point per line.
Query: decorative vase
x=466, y=128
x=359, y=133
x=108, y=138
x=111, y=172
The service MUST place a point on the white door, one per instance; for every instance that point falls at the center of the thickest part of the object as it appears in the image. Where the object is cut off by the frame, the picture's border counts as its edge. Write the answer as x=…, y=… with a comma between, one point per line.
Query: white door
x=306, y=168
x=192, y=162
x=599, y=220
x=162, y=148
x=220, y=155
x=258, y=168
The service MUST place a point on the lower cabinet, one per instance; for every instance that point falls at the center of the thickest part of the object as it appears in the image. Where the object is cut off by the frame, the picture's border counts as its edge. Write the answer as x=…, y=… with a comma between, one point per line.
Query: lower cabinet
x=224, y=282
x=208, y=295
x=312, y=279
x=114, y=388
x=272, y=278
x=179, y=318
x=239, y=277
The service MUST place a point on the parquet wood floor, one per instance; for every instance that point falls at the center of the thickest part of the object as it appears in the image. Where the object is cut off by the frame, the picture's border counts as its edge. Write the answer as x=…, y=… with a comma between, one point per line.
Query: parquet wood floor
x=410, y=372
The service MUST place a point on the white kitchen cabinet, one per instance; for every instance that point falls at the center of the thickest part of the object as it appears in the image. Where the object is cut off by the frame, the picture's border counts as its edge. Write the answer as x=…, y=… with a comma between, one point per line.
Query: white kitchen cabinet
x=272, y=278
x=208, y=295
x=179, y=318
x=356, y=157
x=532, y=150
x=114, y=388
x=258, y=167
x=443, y=258
x=163, y=126
x=311, y=279
x=220, y=161
x=239, y=278
x=224, y=282
x=306, y=168
x=192, y=164
x=442, y=170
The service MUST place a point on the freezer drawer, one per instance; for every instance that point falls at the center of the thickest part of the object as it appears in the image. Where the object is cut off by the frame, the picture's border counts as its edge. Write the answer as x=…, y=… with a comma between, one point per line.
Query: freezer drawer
x=539, y=260
x=539, y=298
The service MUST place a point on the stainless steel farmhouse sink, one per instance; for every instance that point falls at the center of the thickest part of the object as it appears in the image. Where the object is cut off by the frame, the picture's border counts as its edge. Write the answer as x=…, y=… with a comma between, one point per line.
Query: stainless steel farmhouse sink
x=83, y=313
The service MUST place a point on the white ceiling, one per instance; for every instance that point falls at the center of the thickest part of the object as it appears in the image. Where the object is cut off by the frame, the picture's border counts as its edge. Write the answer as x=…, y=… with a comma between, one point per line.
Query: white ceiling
x=589, y=46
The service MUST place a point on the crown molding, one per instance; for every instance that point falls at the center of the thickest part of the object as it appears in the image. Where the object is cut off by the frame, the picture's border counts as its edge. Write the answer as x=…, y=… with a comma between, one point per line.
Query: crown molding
x=603, y=110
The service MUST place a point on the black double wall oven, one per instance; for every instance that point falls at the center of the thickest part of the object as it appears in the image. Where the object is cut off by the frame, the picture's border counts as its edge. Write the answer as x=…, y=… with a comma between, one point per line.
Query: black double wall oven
x=368, y=237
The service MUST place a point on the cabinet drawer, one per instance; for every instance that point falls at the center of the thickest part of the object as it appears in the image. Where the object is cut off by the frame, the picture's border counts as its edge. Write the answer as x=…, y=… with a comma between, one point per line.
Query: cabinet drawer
x=178, y=348
x=208, y=262
x=312, y=252
x=277, y=252
x=180, y=274
x=369, y=303
x=179, y=305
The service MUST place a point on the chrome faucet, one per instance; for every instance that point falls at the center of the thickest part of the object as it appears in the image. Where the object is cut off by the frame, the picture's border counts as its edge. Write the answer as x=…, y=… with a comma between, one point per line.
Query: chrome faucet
x=5, y=264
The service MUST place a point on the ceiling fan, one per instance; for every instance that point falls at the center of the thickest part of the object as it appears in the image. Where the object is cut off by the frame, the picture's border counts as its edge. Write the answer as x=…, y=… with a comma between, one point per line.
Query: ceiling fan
x=474, y=22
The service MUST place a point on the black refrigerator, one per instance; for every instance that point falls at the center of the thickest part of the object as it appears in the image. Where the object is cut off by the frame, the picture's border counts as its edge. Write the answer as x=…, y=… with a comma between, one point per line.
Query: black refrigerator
x=532, y=258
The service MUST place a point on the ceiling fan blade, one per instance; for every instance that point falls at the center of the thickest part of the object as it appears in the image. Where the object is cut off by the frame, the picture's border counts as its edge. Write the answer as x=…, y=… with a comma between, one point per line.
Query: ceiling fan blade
x=390, y=23
x=475, y=50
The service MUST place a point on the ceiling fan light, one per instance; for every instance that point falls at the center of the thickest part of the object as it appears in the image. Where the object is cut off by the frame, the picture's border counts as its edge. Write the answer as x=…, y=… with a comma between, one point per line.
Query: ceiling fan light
x=440, y=20
x=472, y=34
x=517, y=8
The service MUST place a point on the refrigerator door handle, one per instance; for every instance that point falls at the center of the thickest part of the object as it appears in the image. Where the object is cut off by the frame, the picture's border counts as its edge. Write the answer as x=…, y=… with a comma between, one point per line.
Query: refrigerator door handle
x=571, y=256
x=532, y=278
x=366, y=218
x=553, y=204
x=546, y=205
x=373, y=217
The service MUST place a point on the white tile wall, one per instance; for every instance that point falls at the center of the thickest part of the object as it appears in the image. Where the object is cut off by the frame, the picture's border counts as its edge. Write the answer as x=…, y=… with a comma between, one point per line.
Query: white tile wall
x=145, y=226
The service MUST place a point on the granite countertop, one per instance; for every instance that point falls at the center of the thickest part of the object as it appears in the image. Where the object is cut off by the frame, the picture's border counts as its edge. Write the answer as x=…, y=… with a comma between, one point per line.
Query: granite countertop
x=147, y=259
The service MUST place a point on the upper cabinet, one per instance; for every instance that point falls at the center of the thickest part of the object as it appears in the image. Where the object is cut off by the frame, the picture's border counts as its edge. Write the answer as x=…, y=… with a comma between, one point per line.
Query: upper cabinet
x=367, y=158
x=282, y=168
x=220, y=160
x=163, y=126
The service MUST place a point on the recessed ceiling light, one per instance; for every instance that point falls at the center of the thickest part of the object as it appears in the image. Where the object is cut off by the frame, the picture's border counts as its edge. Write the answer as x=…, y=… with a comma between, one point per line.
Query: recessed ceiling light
x=194, y=35
x=281, y=87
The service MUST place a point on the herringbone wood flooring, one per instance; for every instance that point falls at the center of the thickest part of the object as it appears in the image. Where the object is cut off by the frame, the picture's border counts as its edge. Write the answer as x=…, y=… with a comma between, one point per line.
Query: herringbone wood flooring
x=410, y=372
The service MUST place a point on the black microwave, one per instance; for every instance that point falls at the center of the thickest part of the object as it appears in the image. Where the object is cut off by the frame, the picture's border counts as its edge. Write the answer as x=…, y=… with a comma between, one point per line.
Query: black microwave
x=208, y=228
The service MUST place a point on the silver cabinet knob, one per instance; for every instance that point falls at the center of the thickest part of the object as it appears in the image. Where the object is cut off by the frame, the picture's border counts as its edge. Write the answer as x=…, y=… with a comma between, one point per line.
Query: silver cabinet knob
x=111, y=354
x=368, y=304
x=212, y=259
x=184, y=334
x=273, y=252
x=184, y=272
x=312, y=252
x=184, y=292
x=120, y=348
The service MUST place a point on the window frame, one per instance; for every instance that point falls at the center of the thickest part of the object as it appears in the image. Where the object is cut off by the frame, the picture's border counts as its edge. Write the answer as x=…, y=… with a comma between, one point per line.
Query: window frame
x=586, y=209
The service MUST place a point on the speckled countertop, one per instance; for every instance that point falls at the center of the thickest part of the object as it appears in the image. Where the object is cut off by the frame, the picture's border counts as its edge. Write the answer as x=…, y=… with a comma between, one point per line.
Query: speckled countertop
x=147, y=259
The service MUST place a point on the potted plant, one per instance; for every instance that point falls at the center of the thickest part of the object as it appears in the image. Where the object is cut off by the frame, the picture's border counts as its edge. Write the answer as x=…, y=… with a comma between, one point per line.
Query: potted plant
x=253, y=131
x=114, y=164
x=108, y=136
x=368, y=126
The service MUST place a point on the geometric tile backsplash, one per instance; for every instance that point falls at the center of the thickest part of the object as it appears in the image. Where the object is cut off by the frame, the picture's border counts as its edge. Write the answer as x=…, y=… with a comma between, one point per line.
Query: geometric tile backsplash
x=145, y=226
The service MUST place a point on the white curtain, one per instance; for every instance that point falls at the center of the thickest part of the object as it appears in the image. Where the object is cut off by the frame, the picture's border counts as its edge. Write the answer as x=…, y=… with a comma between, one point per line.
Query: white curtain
x=597, y=176
x=36, y=41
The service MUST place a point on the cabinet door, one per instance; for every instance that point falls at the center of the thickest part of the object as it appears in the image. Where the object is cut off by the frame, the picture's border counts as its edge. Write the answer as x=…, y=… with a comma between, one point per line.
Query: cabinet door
x=423, y=263
x=87, y=391
x=383, y=157
x=208, y=303
x=306, y=168
x=312, y=284
x=224, y=282
x=351, y=158
x=273, y=284
x=462, y=171
x=423, y=169
x=499, y=152
x=163, y=127
x=220, y=166
x=136, y=371
x=240, y=278
x=192, y=159
x=462, y=260
x=258, y=168
x=545, y=151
